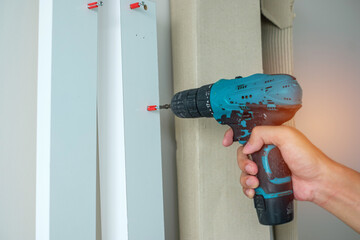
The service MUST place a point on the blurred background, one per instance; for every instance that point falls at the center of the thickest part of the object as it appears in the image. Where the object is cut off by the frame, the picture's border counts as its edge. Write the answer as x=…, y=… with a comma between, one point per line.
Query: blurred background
x=327, y=65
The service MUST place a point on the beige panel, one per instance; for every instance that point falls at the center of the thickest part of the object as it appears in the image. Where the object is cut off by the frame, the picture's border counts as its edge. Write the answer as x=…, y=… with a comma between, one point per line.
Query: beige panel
x=211, y=40
x=279, y=12
x=184, y=70
x=277, y=45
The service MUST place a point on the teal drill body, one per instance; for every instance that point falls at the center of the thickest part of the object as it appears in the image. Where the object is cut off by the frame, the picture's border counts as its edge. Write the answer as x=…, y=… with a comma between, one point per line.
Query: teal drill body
x=243, y=103
x=259, y=99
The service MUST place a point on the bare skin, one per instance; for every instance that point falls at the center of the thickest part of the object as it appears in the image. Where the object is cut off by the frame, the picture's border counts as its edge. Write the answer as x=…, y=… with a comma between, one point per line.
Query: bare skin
x=316, y=178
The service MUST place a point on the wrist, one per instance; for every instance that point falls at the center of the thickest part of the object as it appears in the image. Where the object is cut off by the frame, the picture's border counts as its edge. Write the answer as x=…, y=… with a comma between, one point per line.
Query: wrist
x=338, y=192
x=326, y=185
x=335, y=185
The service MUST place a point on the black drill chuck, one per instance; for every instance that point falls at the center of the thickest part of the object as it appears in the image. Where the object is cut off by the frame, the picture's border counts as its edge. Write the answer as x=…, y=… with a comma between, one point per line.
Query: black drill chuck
x=192, y=103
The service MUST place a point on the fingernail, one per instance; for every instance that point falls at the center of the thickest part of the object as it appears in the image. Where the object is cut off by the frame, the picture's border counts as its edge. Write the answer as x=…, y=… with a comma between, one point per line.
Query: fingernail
x=248, y=168
x=247, y=191
x=249, y=182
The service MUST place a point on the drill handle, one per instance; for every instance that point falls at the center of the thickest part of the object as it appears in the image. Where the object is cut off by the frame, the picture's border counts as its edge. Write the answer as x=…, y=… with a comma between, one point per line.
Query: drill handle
x=274, y=197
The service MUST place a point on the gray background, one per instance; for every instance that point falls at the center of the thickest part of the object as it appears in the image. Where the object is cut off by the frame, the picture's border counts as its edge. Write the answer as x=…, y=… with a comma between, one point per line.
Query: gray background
x=327, y=64
x=18, y=82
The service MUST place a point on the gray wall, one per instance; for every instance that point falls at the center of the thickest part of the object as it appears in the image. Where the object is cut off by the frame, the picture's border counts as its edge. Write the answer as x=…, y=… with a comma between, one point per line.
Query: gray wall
x=18, y=73
x=327, y=63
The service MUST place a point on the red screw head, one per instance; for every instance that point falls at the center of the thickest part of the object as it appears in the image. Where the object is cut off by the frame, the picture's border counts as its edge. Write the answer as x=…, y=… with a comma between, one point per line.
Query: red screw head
x=152, y=108
x=94, y=5
x=135, y=5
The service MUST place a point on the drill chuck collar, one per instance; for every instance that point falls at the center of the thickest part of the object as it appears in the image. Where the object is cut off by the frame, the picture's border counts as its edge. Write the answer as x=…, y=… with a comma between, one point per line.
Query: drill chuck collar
x=192, y=103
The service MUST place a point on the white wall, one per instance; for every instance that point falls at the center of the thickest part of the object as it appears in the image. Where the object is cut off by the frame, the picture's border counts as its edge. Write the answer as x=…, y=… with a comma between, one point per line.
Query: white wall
x=327, y=64
x=18, y=73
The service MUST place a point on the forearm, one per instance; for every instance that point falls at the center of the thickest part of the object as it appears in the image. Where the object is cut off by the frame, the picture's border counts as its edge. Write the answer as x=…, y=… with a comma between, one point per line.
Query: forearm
x=339, y=193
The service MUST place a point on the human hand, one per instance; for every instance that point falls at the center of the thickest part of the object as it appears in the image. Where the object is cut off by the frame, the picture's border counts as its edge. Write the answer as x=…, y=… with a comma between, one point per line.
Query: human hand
x=306, y=162
x=315, y=177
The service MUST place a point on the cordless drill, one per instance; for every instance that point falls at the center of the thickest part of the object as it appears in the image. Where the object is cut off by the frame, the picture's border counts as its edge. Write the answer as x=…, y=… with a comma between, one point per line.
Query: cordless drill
x=243, y=103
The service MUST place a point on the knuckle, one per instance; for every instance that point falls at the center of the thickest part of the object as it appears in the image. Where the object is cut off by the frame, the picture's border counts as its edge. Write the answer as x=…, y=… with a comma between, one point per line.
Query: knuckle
x=286, y=132
x=289, y=131
x=241, y=165
x=241, y=159
x=255, y=130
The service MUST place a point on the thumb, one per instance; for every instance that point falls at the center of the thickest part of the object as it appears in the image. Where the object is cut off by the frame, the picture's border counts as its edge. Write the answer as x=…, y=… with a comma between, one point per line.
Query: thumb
x=265, y=135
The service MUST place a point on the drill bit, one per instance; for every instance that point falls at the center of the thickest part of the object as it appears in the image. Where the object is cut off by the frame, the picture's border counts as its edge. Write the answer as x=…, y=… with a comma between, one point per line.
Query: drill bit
x=155, y=107
x=165, y=106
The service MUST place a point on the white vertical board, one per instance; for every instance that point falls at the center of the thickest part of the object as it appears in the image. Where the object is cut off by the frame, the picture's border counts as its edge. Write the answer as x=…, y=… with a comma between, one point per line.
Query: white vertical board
x=111, y=124
x=66, y=129
x=43, y=121
x=129, y=136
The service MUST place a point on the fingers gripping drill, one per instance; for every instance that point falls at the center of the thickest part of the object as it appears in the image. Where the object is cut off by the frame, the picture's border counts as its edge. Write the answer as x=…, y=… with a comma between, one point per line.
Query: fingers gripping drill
x=243, y=103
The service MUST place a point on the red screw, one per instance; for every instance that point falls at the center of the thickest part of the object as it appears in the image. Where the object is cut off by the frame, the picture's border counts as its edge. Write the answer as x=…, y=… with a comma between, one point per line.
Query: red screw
x=152, y=108
x=94, y=5
x=135, y=5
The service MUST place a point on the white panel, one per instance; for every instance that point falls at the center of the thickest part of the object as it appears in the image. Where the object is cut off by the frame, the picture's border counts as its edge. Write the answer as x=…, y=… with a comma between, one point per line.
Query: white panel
x=43, y=121
x=142, y=128
x=111, y=125
x=67, y=145
x=129, y=136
